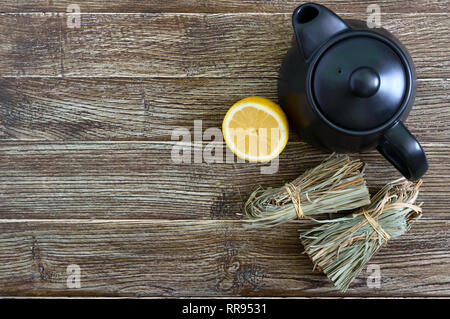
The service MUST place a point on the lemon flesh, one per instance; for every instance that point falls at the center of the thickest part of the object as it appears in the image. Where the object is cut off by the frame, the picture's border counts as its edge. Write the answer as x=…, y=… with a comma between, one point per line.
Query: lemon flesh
x=256, y=129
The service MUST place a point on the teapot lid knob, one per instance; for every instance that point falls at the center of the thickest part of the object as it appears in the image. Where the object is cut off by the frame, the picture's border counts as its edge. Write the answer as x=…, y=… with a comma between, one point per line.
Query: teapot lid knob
x=364, y=82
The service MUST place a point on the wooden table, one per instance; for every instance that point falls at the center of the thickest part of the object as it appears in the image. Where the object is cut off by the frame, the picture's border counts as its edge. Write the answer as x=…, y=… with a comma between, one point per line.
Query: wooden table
x=86, y=174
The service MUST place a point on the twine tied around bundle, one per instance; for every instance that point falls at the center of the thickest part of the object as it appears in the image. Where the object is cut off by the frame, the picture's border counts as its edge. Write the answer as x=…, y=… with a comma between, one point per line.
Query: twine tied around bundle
x=383, y=234
x=294, y=193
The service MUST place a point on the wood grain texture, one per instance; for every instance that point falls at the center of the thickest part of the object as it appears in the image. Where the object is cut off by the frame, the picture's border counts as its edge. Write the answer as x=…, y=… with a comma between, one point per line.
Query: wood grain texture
x=30, y=45
x=150, y=109
x=210, y=258
x=218, y=6
x=129, y=180
x=185, y=45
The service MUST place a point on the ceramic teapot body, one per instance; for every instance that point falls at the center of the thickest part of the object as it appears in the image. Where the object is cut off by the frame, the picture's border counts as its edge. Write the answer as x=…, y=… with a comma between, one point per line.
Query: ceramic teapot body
x=348, y=88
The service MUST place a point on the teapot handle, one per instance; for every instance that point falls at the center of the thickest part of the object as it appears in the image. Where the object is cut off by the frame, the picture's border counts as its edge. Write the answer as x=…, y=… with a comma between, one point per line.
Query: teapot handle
x=403, y=151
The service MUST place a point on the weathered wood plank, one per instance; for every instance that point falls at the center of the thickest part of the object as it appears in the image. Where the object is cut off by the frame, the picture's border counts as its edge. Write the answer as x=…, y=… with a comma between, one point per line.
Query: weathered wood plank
x=221, y=45
x=186, y=45
x=218, y=6
x=130, y=180
x=209, y=258
x=136, y=109
x=30, y=45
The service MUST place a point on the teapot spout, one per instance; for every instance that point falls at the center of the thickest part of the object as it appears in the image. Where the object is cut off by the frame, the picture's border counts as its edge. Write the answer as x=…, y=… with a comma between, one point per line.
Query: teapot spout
x=313, y=25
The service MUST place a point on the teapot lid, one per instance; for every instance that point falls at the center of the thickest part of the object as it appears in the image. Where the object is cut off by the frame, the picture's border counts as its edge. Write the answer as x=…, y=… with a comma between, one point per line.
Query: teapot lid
x=360, y=82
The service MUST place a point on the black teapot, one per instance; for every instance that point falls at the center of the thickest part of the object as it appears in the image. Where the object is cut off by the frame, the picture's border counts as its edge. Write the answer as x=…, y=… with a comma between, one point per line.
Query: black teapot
x=347, y=88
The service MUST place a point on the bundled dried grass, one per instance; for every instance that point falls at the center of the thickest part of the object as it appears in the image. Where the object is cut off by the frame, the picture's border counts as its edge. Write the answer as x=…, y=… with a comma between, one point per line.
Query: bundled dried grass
x=336, y=184
x=341, y=247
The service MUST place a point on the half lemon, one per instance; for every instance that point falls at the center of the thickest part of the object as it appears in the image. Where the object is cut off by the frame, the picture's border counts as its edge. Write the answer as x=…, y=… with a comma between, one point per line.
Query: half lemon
x=255, y=129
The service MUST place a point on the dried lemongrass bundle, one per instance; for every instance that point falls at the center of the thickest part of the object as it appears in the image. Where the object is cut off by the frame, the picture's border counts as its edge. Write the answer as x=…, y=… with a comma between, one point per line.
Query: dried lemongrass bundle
x=336, y=184
x=341, y=247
